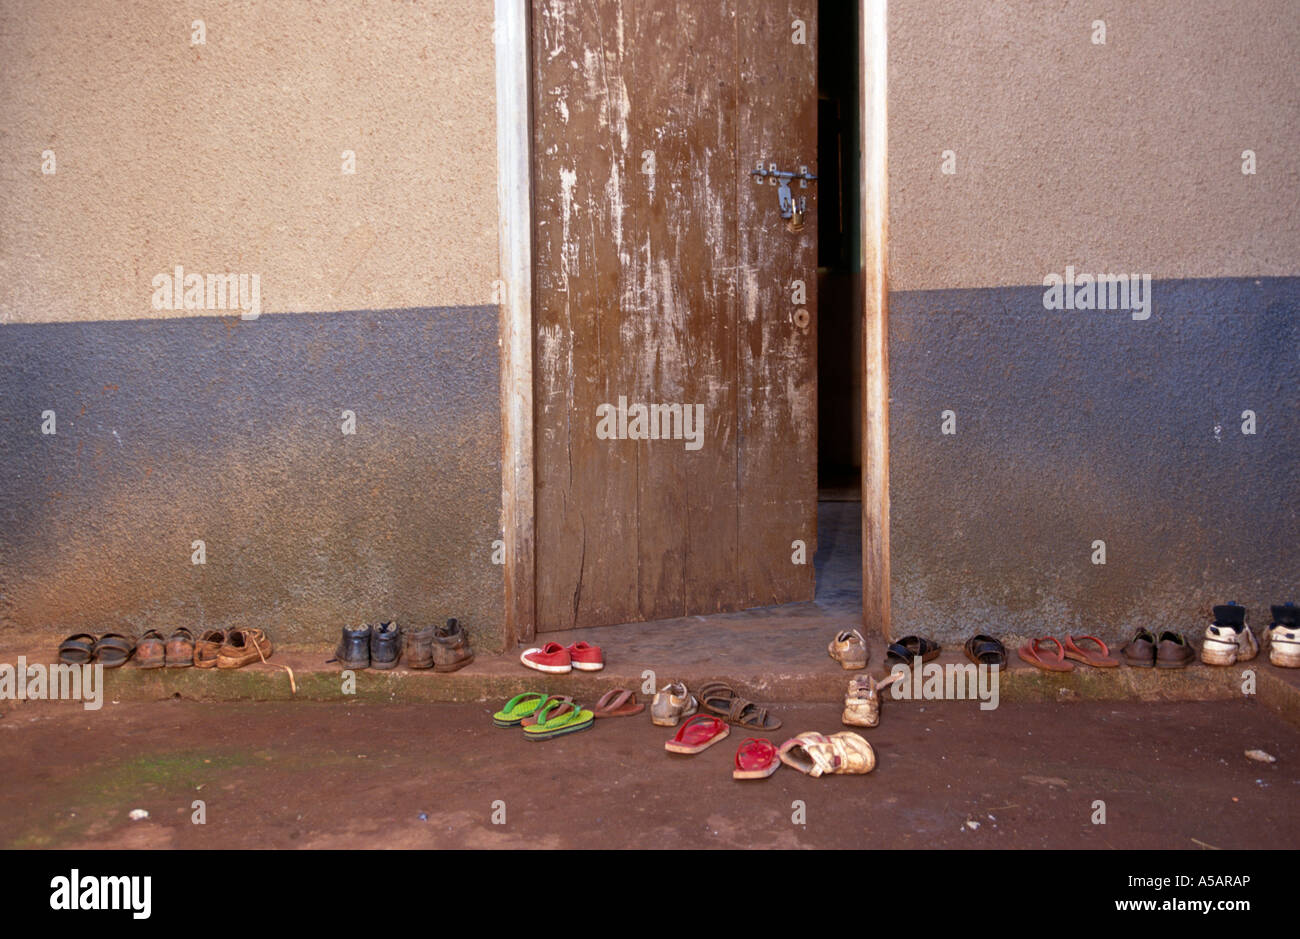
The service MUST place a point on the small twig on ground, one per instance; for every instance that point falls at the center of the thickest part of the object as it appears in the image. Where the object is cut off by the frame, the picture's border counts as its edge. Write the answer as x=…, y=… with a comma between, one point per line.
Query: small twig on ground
x=1204, y=845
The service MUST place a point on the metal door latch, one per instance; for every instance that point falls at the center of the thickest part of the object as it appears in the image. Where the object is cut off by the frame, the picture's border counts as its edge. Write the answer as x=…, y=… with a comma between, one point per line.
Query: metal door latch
x=780, y=178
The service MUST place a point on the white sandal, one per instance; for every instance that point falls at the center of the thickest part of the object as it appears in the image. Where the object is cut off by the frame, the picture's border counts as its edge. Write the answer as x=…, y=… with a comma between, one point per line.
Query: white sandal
x=671, y=703
x=817, y=754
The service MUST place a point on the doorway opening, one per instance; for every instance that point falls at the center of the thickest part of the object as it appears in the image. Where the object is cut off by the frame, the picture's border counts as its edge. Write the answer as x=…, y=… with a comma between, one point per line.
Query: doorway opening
x=838, y=562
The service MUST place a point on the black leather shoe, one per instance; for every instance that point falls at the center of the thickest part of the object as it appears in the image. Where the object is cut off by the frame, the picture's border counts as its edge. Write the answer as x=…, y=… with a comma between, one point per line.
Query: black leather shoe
x=354, y=648
x=451, y=648
x=385, y=645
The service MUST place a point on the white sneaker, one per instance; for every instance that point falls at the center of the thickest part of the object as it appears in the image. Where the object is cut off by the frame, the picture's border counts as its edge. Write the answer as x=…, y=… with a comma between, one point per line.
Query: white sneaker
x=1228, y=638
x=1284, y=636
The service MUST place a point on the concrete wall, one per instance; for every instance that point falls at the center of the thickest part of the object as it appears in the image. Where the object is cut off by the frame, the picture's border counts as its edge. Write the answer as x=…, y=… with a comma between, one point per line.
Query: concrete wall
x=376, y=296
x=175, y=425
x=1075, y=426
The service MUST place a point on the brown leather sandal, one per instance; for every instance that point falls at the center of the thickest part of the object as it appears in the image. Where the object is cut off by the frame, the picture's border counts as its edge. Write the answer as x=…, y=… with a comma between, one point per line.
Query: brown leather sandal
x=180, y=648
x=908, y=648
x=719, y=698
x=77, y=649
x=986, y=650
x=151, y=650
x=113, y=649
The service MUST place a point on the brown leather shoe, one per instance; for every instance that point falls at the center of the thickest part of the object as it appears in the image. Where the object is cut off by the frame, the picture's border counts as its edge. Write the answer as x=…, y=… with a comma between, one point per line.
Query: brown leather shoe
x=419, y=647
x=208, y=648
x=1141, y=651
x=151, y=650
x=180, y=648
x=451, y=648
x=1173, y=651
x=243, y=646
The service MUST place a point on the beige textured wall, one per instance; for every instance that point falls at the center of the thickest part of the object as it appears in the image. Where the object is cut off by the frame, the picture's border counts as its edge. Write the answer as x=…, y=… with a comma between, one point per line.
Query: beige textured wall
x=1123, y=156
x=226, y=156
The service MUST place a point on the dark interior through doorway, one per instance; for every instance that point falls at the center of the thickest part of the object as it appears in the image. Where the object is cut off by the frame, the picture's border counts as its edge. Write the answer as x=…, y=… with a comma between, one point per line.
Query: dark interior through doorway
x=839, y=330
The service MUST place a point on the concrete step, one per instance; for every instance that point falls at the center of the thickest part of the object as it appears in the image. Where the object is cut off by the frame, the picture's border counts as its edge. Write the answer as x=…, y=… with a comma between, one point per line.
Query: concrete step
x=764, y=674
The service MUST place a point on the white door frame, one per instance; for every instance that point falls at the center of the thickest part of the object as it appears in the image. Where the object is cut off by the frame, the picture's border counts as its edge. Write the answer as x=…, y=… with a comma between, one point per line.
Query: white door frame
x=873, y=88
x=511, y=36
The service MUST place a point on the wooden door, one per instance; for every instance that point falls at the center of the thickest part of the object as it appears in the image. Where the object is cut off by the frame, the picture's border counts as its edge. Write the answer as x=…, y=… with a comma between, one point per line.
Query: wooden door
x=665, y=277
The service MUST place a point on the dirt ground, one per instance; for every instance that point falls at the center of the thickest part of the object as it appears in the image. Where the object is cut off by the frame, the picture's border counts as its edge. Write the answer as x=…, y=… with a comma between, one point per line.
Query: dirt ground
x=312, y=775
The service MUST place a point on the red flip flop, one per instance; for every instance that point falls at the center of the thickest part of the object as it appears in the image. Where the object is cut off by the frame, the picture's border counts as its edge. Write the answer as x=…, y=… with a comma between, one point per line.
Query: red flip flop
x=699, y=733
x=756, y=759
x=1073, y=651
x=1033, y=653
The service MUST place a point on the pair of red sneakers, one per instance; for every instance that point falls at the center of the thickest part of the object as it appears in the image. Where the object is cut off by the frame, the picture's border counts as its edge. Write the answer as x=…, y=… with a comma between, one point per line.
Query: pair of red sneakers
x=557, y=660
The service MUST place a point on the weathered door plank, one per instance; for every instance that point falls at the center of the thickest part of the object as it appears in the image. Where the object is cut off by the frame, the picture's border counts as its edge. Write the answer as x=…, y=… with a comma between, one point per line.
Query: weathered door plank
x=777, y=416
x=586, y=494
x=662, y=275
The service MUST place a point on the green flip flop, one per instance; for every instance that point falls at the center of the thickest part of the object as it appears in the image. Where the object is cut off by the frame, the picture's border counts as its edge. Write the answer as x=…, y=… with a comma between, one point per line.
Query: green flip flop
x=558, y=718
x=517, y=708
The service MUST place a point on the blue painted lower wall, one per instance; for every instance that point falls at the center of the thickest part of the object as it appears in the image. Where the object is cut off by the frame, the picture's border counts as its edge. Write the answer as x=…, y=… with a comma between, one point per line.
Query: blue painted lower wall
x=1082, y=426
x=231, y=432
x=1072, y=427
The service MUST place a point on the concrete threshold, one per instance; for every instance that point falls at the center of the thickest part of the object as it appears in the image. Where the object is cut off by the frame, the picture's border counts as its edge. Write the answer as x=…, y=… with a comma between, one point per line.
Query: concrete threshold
x=777, y=655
